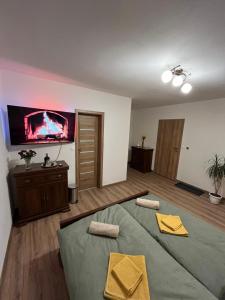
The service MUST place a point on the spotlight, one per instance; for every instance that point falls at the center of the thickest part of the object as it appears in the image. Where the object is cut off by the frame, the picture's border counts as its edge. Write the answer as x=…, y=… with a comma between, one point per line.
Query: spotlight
x=186, y=88
x=167, y=76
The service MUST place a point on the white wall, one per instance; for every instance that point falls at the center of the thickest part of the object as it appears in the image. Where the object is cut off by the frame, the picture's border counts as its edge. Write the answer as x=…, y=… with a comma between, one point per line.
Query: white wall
x=204, y=134
x=5, y=215
x=30, y=91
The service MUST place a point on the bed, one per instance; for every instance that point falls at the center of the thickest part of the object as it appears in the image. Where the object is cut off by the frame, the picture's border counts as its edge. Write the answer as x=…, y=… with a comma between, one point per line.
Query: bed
x=85, y=257
x=202, y=253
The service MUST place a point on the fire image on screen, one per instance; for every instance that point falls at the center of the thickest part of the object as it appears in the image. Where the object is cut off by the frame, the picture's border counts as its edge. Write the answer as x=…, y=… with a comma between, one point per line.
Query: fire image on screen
x=37, y=126
x=45, y=125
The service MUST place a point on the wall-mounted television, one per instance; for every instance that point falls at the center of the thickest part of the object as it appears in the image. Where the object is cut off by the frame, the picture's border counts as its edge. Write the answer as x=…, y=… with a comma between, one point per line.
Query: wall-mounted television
x=40, y=126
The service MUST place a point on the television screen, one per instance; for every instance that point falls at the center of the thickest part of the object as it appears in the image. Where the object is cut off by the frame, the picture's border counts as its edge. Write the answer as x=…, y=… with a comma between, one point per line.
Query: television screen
x=40, y=126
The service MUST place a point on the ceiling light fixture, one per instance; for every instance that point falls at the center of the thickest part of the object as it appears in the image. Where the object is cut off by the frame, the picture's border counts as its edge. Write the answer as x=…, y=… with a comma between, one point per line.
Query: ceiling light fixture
x=178, y=77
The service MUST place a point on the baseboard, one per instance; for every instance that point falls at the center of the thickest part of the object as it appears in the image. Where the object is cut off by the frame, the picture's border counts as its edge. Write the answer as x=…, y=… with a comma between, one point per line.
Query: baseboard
x=111, y=184
x=5, y=260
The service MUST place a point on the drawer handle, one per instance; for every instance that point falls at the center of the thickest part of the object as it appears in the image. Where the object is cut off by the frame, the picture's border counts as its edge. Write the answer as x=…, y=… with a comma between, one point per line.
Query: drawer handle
x=59, y=176
x=27, y=181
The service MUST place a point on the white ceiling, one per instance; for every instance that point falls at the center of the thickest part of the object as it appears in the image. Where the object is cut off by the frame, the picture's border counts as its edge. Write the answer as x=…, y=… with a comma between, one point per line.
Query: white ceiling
x=121, y=46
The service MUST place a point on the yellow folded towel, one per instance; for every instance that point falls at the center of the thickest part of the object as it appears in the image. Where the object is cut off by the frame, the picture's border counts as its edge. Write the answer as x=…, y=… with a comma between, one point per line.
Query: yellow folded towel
x=173, y=222
x=181, y=231
x=128, y=275
x=115, y=291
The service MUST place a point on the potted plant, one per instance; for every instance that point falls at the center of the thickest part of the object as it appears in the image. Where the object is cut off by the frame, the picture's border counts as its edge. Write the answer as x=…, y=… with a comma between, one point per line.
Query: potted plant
x=215, y=172
x=27, y=155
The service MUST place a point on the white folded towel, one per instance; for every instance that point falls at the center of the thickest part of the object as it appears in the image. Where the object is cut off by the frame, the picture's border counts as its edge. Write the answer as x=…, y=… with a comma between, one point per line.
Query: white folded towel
x=105, y=229
x=147, y=203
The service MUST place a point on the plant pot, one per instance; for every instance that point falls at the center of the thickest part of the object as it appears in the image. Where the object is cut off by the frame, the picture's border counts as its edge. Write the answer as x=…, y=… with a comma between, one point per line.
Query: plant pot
x=214, y=198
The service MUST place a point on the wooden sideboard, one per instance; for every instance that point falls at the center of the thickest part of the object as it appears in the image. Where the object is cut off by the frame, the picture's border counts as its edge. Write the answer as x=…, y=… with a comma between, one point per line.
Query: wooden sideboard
x=38, y=192
x=141, y=159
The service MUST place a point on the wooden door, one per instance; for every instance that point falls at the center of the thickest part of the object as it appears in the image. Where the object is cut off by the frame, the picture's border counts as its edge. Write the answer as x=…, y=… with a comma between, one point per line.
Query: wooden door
x=169, y=140
x=89, y=150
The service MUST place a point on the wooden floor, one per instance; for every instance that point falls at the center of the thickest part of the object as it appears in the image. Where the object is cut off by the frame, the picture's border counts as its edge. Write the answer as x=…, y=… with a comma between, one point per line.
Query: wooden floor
x=32, y=270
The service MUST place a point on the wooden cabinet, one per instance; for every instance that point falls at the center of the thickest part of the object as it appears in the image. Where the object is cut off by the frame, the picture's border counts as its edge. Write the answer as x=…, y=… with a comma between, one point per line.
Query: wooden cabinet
x=141, y=159
x=39, y=192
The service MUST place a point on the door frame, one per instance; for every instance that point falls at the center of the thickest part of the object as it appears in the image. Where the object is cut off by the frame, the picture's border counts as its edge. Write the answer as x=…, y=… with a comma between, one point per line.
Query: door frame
x=100, y=116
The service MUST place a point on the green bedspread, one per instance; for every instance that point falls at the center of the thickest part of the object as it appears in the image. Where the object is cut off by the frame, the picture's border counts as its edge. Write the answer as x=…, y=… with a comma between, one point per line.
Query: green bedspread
x=202, y=253
x=85, y=259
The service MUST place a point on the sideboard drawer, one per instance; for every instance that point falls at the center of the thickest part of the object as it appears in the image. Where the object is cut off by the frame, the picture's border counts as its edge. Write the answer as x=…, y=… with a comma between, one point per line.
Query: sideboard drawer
x=57, y=176
x=28, y=180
